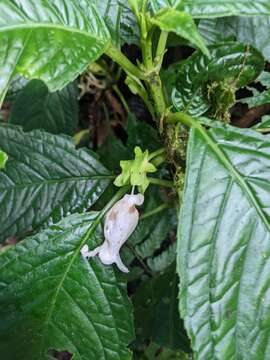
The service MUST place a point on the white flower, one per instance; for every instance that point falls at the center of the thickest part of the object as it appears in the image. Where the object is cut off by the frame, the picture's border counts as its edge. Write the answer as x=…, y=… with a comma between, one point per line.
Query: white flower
x=120, y=222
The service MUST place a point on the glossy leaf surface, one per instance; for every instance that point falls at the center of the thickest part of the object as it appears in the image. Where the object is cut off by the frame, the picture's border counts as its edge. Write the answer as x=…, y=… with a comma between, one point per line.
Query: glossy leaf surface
x=236, y=63
x=182, y=24
x=52, y=298
x=35, y=108
x=224, y=244
x=250, y=30
x=45, y=179
x=216, y=8
x=258, y=98
x=53, y=42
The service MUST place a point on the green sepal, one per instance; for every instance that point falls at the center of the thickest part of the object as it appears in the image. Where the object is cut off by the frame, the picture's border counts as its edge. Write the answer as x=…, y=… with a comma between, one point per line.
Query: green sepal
x=134, y=172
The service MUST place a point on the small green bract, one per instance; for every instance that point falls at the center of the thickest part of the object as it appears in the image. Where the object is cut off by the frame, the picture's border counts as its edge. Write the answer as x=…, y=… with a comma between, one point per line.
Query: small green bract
x=134, y=172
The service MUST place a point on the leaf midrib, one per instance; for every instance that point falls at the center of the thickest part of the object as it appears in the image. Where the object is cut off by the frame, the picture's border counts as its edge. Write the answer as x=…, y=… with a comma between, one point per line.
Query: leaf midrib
x=233, y=172
x=84, y=239
x=51, y=26
x=88, y=233
x=58, y=181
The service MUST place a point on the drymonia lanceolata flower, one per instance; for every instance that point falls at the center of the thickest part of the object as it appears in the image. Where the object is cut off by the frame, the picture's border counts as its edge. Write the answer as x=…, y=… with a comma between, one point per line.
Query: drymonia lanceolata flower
x=120, y=222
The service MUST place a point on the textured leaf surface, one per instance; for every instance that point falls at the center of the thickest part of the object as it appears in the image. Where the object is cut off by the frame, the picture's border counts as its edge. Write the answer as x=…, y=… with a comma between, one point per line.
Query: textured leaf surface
x=45, y=179
x=250, y=30
x=36, y=108
x=224, y=244
x=258, y=98
x=53, y=42
x=183, y=25
x=51, y=298
x=264, y=123
x=216, y=8
x=120, y=21
x=156, y=311
x=236, y=63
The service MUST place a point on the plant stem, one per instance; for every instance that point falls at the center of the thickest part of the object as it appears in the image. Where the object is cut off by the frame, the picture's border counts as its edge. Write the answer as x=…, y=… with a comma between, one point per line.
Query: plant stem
x=147, y=53
x=124, y=62
x=121, y=97
x=137, y=256
x=157, y=161
x=156, y=153
x=161, y=47
x=263, y=130
x=155, y=211
x=158, y=96
x=144, y=6
x=161, y=182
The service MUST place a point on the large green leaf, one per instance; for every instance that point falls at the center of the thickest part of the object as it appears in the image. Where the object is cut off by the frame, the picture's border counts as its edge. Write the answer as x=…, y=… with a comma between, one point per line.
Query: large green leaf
x=51, y=41
x=156, y=311
x=231, y=64
x=45, y=179
x=36, y=108
x=250, y=30
x=182, y=24
x=224, y=244
x=120, y=21
x=216, y=8
x=52, y=298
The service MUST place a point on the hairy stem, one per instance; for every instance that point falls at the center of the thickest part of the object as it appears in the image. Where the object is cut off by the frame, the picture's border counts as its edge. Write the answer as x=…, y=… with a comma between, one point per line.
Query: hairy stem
x=155, y=211
x=137, y=256
x=156, y=153
x=161, y=47
x=161, y=182
x=124, y=62
x=122, y=98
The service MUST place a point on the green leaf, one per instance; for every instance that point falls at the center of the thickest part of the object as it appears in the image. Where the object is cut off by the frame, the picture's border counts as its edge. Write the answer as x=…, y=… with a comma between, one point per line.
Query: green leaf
x=264, y=79
x=224, y=243
x=182, y=24
x=120, y=20
x=16, y=85
x=216, y=8
x=53, y=42
x=117, y=151
x=231, y=65
x=36, y=108
x=45, y=179
x=52, y=298
x=3, y=159
x=141, y=134
x=155, y=236
x=258, y=98
x=156, y=311
x=264, y=123
x=250, y=30
x=160, y=262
